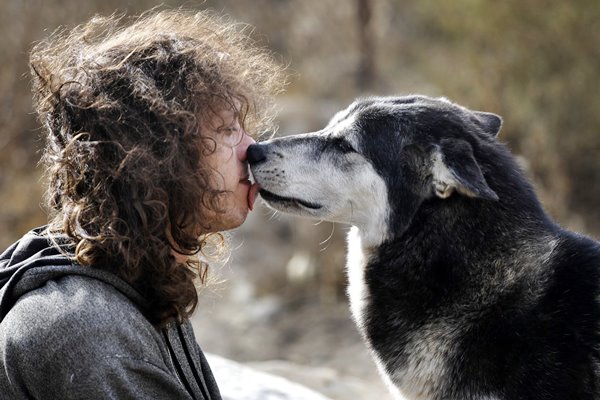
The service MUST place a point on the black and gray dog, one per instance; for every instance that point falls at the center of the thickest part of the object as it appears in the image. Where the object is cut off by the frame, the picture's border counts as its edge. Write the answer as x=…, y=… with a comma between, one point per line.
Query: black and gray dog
x=460, y=283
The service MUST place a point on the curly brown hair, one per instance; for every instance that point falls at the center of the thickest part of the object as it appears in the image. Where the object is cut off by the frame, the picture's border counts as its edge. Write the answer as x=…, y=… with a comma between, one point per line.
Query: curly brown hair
x=122, y=101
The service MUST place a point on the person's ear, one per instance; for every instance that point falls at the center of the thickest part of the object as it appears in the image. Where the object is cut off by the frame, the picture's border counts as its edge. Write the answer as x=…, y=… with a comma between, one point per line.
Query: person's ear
x=454, y=168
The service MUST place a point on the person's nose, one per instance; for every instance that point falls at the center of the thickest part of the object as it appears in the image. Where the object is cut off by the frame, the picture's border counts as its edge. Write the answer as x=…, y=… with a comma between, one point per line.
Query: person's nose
x=247, y=140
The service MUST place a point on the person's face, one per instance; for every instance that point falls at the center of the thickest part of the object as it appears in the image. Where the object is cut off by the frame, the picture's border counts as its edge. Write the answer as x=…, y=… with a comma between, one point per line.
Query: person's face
x=231, y=170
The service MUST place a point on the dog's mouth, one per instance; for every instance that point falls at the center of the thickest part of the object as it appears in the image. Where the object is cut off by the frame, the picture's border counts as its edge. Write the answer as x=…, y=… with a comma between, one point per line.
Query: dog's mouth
x=272, y=197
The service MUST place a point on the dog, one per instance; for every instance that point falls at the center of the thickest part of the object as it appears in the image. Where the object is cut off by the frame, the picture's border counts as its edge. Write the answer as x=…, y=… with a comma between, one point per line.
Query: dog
x=460, y=283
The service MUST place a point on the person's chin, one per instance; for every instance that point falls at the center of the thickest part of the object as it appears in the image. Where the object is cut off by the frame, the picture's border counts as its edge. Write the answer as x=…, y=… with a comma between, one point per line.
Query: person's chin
x=236, y=214
x=235, y=218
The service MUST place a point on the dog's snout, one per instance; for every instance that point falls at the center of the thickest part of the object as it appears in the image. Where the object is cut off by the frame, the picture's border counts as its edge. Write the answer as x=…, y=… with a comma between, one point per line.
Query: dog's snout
x=256, y=153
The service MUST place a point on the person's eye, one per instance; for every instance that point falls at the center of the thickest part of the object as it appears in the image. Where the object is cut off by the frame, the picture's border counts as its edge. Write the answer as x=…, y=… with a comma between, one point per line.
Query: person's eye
x=231, y=135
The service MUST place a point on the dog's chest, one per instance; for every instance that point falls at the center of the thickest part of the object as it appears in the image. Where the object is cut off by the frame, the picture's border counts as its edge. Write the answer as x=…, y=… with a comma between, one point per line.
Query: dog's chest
x=420, y=371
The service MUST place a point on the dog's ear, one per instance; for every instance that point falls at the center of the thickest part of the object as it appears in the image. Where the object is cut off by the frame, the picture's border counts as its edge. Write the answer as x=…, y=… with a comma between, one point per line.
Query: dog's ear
x=488, y=122
x=454, y=168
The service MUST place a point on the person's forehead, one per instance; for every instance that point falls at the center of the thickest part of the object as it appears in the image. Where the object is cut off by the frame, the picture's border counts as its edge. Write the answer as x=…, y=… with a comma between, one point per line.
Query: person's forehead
x=228, y=110
x=219, y=115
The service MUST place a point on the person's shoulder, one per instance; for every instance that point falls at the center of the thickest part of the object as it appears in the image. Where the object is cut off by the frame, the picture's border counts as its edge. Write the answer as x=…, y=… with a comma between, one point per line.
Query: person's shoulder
x=77, y=314
x=79, y=337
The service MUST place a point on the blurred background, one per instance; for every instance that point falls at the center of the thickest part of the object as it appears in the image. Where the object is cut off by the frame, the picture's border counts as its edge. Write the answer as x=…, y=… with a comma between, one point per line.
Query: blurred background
x=281, y=294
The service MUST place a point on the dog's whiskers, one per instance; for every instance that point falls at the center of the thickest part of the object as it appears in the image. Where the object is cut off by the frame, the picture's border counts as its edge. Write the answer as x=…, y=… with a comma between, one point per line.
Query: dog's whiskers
x=274, y=214
x=328, y=238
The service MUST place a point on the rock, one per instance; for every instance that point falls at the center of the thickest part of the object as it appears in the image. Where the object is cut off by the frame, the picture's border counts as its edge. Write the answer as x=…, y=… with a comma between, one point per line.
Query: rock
x=328, y=381
x=239, y=382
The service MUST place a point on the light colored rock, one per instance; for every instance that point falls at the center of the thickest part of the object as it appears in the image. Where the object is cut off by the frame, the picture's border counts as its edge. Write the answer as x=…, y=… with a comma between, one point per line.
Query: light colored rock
x=239, y=382
x=327, y=381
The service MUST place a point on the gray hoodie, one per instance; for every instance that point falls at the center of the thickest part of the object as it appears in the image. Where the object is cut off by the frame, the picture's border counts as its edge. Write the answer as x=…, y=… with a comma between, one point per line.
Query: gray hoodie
x=73, y=332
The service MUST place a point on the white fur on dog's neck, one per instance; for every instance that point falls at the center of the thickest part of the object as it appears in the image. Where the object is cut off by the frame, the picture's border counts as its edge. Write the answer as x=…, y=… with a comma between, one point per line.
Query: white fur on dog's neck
x=356, y=261
x=370, y=219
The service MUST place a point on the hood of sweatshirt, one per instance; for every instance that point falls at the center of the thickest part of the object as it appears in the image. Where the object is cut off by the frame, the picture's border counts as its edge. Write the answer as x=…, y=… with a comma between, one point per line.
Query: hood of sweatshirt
x=33, y=260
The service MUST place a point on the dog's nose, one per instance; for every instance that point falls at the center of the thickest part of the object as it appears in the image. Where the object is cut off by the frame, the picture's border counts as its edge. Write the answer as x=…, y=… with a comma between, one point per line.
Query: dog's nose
x=256, y=153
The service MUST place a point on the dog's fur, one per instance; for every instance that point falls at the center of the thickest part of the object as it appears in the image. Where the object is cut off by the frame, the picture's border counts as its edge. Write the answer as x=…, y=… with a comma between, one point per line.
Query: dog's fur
x=460, y=283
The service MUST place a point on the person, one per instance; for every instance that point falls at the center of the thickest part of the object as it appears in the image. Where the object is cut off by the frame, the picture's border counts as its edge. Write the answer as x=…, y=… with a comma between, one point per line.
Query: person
x=147, y=123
